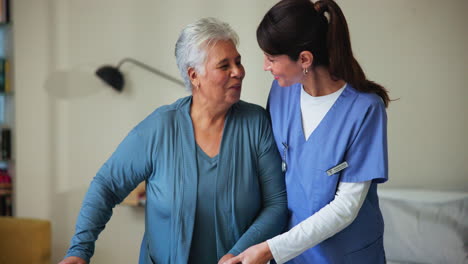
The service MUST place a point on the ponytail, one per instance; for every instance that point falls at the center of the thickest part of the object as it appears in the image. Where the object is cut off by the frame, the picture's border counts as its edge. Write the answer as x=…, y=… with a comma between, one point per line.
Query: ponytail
x=342, y=64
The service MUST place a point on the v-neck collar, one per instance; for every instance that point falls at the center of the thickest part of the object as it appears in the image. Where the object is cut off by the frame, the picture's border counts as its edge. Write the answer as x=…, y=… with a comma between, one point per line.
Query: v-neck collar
x=298, y=115
x=205, y=156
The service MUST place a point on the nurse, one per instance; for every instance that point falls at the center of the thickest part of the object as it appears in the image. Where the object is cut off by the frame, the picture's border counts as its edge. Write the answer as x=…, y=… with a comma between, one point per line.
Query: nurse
x=330, y=126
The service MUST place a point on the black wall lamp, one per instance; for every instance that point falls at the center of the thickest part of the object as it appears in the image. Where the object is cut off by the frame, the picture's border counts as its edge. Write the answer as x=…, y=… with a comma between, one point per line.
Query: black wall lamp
x=114, y=77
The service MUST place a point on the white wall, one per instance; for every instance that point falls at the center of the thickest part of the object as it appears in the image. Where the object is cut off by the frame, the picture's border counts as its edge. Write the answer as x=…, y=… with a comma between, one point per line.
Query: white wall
x=66, y=128
x=417, y=49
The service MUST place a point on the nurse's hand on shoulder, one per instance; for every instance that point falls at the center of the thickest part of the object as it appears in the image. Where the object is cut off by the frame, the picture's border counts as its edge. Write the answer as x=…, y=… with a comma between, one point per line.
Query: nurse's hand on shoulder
x=258, y=254
x=73, y=260
x=225, y=258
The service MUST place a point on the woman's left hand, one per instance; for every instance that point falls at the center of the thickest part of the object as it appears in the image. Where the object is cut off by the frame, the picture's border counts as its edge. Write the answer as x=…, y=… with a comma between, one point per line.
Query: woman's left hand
x=258, y=254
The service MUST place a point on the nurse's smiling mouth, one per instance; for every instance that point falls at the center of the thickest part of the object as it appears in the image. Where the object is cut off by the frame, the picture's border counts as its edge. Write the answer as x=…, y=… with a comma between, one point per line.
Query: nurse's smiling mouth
x=276, y=77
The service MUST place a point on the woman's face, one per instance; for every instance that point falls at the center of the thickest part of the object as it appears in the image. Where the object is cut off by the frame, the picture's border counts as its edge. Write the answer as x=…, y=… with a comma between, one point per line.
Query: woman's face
x=286, y=71
x=222, y=81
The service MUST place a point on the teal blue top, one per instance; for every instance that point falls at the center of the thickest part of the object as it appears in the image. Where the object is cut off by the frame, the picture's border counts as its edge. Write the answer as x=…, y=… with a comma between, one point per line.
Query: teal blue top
x=203, y=248
x=250, y=198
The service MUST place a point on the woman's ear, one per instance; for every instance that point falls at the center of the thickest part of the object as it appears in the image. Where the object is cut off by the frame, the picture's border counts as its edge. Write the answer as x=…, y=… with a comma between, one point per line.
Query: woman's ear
x=193, y=76
x=306, y=59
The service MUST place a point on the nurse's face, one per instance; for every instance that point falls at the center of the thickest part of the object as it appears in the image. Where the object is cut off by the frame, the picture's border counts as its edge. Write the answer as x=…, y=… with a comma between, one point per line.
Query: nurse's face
x=286, y=71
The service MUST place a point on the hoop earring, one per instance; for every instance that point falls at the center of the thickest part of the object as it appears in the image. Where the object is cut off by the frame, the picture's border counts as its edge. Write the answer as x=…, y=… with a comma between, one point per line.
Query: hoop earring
x=305, y=71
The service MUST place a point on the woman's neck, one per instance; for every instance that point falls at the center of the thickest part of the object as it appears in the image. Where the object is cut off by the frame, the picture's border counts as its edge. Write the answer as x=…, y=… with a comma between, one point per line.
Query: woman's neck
x=208, y=124
x=206, y=114
x=319, y=82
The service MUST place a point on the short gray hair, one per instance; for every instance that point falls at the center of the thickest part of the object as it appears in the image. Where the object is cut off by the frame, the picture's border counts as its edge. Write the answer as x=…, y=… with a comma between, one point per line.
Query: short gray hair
x=194, y=42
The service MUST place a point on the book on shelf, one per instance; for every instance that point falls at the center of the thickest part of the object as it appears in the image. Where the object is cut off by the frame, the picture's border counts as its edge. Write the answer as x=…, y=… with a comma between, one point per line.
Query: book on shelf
x=5, y=191
x=2, y=109
x=2, y=75
x=5, y=143
x=4, y=11
x=5, y=205
x=5, y=77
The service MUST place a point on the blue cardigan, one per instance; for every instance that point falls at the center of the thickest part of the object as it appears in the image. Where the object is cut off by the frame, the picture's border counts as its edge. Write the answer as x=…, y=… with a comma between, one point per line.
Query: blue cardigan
x=250, y=199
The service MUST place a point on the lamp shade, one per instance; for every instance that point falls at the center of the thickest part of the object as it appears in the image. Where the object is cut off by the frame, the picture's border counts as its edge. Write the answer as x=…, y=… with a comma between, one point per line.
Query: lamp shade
x=112, y=76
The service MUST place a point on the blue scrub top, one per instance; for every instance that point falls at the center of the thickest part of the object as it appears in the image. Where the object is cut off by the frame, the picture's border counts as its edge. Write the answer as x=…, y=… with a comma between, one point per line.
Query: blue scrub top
x=354, y=130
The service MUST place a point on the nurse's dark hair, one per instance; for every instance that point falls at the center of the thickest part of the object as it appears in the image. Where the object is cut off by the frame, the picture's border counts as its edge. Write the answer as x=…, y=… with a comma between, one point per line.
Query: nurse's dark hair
x=293, y=26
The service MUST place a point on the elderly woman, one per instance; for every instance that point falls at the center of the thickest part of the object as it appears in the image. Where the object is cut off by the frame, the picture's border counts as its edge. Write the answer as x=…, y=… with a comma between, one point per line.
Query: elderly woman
x=213, y=175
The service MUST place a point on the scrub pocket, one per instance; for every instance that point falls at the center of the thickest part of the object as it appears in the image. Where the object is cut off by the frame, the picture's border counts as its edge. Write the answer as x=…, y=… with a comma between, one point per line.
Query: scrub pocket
x=372, y=254
x=319, y=188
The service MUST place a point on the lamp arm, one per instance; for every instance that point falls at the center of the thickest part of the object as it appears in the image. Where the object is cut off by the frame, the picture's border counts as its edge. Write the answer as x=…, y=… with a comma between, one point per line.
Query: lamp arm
x=151, y=69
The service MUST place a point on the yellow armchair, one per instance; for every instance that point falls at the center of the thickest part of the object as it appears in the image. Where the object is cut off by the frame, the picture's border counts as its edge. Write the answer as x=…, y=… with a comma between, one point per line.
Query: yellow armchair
x=25, y=241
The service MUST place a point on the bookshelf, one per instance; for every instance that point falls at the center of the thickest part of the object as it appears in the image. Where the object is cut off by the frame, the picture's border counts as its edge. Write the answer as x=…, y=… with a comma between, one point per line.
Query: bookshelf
x=6, y=112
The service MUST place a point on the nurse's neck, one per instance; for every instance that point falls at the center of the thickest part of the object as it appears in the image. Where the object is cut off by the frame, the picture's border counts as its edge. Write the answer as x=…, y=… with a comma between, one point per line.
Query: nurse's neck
x=319, y=82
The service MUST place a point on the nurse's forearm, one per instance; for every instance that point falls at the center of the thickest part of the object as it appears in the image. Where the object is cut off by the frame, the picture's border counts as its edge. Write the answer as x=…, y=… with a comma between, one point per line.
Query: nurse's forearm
x=328, y=221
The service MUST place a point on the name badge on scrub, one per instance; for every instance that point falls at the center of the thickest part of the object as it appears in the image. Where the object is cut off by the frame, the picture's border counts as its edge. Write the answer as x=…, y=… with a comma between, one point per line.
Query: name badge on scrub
x=337, y=168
